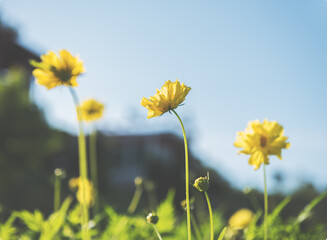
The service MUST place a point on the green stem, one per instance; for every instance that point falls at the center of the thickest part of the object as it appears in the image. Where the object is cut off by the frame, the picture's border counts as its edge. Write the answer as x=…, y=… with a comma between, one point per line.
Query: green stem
x=135, y=200
x=211, y=218
x=94, y=170
x=196, y=227
x=82, y=166
x=57, y=190
x=266, y=204
x=157, y=232
x=152, y=198
x=254, y=201
x=120, y=227
x=187, y=180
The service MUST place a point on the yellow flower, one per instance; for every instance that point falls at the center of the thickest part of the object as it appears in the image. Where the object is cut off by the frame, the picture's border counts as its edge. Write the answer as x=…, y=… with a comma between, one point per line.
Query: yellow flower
x=261, y=140
x=91, y=110
x=241, y=218
x=77, y=183
x=54, y=71
x=169, y=97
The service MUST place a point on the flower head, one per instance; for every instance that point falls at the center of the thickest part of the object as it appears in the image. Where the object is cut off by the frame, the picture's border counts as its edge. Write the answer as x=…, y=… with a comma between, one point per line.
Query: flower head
x=55, y=71
x=91, y=110
x=261, y=140
x=138, y=181
x=169, y=97
x=202, y=183
x=241, y=219
x=152, y=218
x=60, y=173
x=86, y=188
x=184, y=205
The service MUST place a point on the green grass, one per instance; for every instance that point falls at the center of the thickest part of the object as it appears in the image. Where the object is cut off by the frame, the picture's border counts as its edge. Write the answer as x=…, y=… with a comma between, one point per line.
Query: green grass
x=109, y=224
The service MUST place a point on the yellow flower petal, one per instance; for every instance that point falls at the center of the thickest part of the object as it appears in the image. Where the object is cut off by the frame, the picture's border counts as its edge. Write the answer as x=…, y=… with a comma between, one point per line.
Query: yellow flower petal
x=91, y=110
x=261, y=140
x=241, y=219
x=84, y=188
x=169, y=97
x=55, y=71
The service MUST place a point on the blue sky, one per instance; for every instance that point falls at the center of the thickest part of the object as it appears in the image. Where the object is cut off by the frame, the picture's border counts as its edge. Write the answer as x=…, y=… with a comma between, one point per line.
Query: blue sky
x=244, y=60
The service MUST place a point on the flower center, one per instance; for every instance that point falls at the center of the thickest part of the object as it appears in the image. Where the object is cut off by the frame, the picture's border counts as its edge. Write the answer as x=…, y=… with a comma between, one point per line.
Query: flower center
x=92, y=111
x=63, y=74
x=263, y=141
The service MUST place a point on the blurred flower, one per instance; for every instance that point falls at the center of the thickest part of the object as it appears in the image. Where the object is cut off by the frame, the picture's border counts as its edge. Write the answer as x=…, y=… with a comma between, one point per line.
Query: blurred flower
x=77, y=183
x=60, y=173
x=261, y=140
x=184, y=206
x=91, y=110
x=241, y=219
x=202, y=183
x=169, y=97
x=247, y=190
x=54, y=71
x=149, y=185
x=138, y=181
x=152, y=218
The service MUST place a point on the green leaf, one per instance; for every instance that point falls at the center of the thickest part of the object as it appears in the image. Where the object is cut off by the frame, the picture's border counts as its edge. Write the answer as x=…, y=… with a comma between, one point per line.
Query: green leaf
x=55, y=221
x=7, y=231
x=34, y=221
x=35, y=63
x=116, y=223
x=275, y=213
x=74, y=216
x=166, y=213
x=251, y=231
x=306, y=212
x=222, y=234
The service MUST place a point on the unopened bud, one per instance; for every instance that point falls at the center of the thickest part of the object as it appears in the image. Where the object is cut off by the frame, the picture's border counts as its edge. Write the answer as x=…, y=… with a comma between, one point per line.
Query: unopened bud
x=149, y=185
x=138, y=181
x=202, y=184
x=152, y=218
x=247, y=190
x=58, y=172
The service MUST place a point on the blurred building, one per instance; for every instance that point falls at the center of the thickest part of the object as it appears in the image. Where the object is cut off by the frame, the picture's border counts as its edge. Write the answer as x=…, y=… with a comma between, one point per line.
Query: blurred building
x=159, y=158
x=140, y=155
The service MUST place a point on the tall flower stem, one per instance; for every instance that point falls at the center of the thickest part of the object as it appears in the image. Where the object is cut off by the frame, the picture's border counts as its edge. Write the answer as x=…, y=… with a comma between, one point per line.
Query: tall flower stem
x=211, y=218
x=57, y=191
x=135, y=200
x=82, y=166
x=94, y=170
x=187, y=180
x=157, y=232
x=151, y=194
x=266, y=204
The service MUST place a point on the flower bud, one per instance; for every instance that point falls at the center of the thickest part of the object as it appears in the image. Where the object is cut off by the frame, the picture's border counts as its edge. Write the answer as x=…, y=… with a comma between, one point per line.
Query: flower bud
x=138, y=181
x=247, y=190
x=183, y=204
x=58, y=172
x=241, y=219
x=84, y=190
x=152, y=218
x=202, y=183
x=149, y=185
